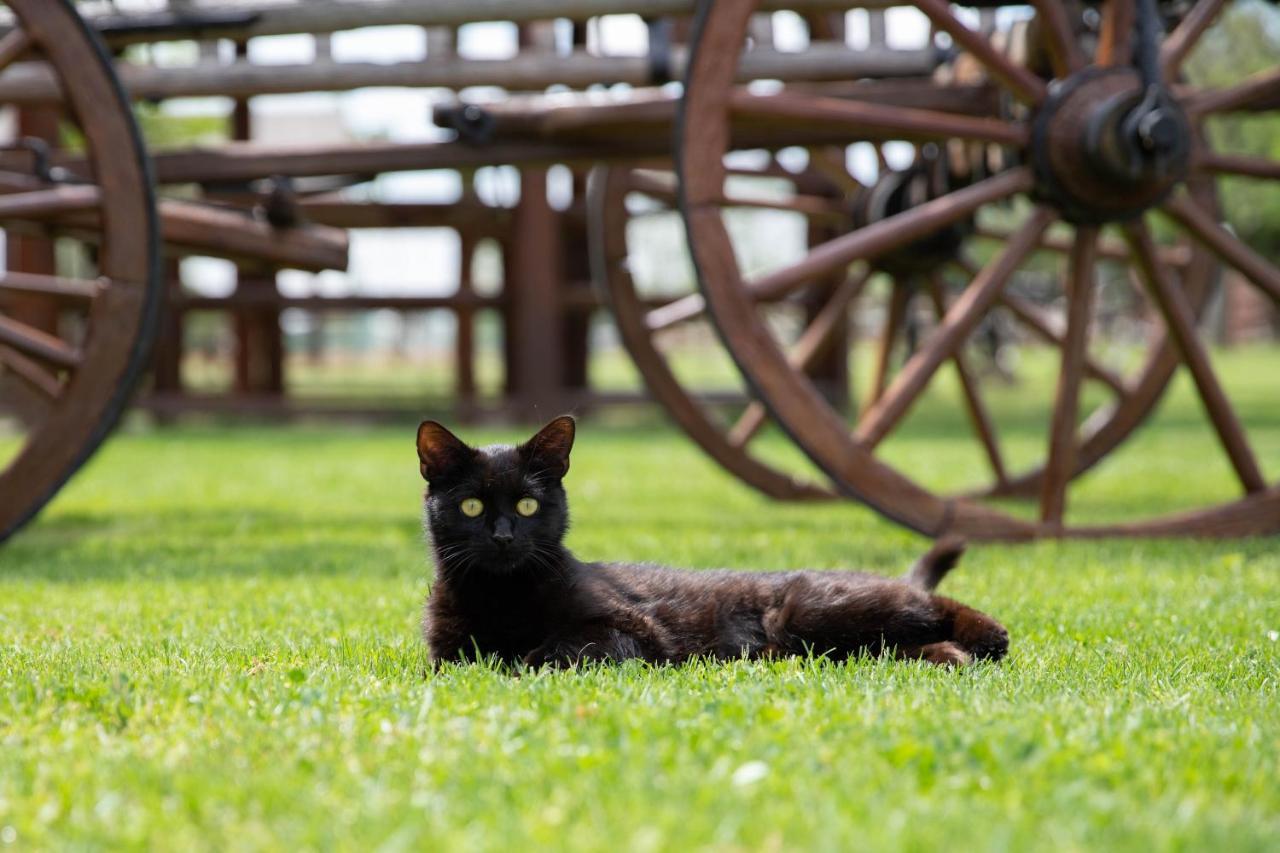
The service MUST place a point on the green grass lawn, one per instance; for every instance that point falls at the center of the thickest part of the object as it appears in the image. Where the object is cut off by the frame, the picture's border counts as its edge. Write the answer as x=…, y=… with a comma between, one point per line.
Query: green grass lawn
x=210, y=640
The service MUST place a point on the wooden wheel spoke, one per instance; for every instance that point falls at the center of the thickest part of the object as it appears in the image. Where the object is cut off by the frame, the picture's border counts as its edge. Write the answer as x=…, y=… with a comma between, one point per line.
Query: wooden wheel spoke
x=864, y=120
x=1061, y=463
x=1239, y=164
x=891, y=233
x=49, y=203
x=37, y=344
x=1180, y=321
x=983, y=425
x=817, y=336
x=813, y=343
x=963, y=316
x=1021, y=82
x=1060, y=38
x=660, y=186
x=1259, y=91
x=1187, y=35
x=1202, y=227
x=31, y=373
x=1115, y=42
x=748, y=424
x=15, y=45
x=50, y=285
x=899, y=300
x=682, y=310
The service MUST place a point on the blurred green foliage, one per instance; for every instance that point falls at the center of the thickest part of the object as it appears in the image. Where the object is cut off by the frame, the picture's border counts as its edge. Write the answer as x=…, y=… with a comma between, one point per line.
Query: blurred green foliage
x=1245, y=41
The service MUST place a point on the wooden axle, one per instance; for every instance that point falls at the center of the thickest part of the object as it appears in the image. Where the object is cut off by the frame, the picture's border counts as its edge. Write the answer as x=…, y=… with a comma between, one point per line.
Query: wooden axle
x=578, y=116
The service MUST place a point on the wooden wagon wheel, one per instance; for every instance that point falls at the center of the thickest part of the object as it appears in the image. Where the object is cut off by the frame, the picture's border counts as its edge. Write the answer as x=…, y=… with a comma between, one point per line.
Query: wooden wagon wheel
x=72, y=376
x=1066, y=145
x=641, y=325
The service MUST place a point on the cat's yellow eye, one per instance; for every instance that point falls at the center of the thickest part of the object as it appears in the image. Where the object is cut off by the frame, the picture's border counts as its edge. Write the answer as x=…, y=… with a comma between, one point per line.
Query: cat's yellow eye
x=472, y=507
x=526, y=506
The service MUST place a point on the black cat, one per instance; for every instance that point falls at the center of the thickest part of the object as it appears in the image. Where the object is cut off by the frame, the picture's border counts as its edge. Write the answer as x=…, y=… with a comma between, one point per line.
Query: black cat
x=507, y=587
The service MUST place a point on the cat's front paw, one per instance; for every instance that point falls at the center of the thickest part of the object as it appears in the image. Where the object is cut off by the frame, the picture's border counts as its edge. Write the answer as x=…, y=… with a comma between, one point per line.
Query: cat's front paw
x=539, y=657
x=552, y=654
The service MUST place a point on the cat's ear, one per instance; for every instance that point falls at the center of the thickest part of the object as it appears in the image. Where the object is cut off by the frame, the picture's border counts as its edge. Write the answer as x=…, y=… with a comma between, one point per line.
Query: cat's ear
x=549, y=449
x=440, y=451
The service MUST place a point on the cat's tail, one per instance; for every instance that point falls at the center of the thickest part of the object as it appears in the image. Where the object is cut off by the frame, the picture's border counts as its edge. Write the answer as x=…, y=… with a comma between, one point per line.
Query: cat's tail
x=930, y=569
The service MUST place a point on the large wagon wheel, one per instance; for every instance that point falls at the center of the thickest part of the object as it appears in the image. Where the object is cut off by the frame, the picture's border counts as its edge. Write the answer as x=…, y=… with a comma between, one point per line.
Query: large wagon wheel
x=67, y=377
x=1105, y=123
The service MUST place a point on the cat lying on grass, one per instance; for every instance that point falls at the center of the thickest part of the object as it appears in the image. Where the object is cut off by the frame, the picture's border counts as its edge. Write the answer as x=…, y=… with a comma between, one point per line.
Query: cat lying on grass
x=506, y=586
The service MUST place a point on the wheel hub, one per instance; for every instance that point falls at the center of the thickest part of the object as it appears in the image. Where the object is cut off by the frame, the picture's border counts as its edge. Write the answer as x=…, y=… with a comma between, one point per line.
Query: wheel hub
x=1105, y=149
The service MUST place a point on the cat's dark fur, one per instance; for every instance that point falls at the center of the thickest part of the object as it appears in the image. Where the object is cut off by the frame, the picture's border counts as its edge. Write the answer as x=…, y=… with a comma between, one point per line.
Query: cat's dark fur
x=507, y=587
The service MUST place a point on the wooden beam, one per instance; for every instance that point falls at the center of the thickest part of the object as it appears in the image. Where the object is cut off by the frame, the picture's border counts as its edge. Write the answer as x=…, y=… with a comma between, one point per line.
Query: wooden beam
x=329, y=16
x=27, y=83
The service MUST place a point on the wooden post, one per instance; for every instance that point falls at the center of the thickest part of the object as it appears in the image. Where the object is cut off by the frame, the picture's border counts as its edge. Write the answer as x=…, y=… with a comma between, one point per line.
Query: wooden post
x=531, y=281
x=167, y=356
x=259, y=354
x=532, y=272
x=575, y=336
x=576, y=277
x=259, y=346
x=464, y=342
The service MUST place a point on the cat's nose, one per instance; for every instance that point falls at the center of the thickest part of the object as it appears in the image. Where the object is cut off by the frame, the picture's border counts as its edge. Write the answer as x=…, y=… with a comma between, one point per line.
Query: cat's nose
x=502, y=533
